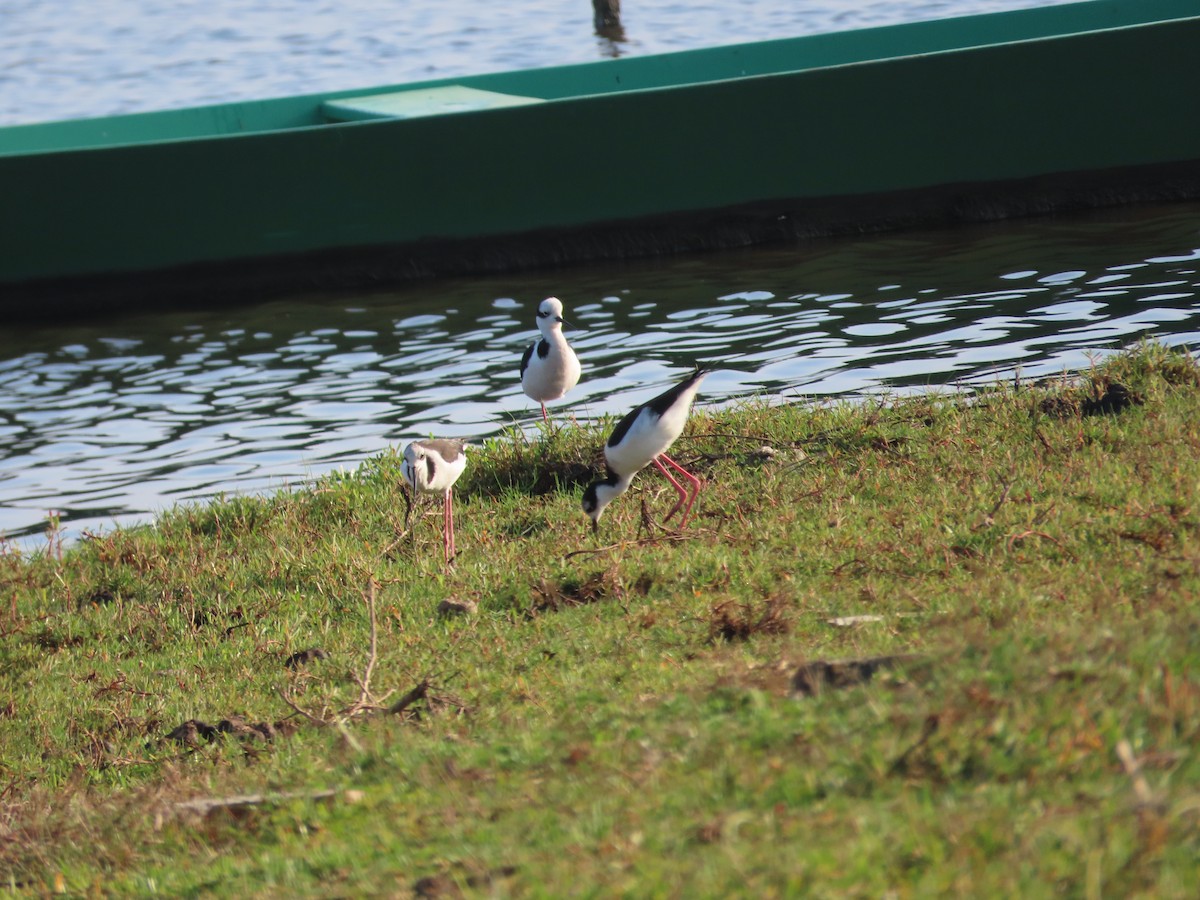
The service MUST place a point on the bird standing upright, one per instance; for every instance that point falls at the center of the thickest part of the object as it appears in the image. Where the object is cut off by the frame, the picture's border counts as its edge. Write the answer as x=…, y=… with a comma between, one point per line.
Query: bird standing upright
x=549, y=367
x=641, y=438
x=432, y=467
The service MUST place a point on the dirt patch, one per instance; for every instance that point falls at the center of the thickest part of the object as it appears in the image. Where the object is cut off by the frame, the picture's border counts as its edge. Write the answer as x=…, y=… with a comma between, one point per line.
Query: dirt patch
x=49, y=640
x=887, y=445
x=194, y=732
x=732, y=621
x=598, y=586
x=1116, y=398
x=98, y=598
x=455, y=606
x=304, y=657
x=447, y=884
x=1059, y=406
x=811, y=678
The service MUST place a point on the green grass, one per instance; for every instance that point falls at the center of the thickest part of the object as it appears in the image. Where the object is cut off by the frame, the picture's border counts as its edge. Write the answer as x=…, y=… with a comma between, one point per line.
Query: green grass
x=618, y=715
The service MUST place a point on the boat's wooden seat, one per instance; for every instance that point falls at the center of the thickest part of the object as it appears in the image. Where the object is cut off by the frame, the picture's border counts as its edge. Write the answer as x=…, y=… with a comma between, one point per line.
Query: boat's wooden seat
x=424, y=102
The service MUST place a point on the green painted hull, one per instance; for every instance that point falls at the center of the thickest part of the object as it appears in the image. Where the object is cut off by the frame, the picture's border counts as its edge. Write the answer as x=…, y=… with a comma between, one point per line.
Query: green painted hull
x=1082, y=104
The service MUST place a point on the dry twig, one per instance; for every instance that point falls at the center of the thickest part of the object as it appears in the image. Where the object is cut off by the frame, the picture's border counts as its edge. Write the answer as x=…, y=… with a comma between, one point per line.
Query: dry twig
x=1133, y=768
x=990, y=518
x=665, y=538
x=365, y=699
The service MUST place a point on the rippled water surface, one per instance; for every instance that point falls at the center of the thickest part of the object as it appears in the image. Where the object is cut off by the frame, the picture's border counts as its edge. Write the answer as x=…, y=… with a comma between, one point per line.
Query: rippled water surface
x=73, y=58
x=109, y=421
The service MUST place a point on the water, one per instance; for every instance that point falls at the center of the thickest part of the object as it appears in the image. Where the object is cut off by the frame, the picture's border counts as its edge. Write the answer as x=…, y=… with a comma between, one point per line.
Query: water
x=73, y=58
x=109, y=421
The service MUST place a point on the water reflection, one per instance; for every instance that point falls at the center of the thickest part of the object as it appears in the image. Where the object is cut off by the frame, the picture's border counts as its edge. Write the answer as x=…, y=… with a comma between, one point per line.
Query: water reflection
x=110, y=420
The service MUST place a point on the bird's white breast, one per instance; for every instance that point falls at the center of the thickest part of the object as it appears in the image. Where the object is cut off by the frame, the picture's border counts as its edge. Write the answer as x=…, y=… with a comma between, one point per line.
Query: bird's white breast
x=550, y=377
x=647, y=438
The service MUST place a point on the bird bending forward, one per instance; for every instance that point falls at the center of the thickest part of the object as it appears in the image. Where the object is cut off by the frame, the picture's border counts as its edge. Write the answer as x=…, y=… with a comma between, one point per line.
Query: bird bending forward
x=432, y=467
x=641, y=438
x=549, y=367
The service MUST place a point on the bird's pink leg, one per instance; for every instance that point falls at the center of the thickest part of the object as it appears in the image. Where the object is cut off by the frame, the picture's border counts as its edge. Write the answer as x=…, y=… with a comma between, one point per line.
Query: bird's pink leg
x=448, y=527
x=692, y=480
x=678, y=487
x=545, y=415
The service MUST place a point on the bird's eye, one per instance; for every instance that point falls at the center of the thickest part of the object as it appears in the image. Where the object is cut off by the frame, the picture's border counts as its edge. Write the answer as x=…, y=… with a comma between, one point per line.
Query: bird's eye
x=543, y=315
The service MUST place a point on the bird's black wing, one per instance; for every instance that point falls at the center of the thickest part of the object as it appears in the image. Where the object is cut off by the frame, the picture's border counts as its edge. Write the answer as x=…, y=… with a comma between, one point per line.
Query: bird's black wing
x=624, y=425
x=526, y=356
x=658, y=405
x=666, y=399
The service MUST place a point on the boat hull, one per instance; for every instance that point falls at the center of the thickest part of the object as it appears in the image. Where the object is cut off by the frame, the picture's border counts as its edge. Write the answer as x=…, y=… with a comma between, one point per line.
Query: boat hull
x=1077, y=119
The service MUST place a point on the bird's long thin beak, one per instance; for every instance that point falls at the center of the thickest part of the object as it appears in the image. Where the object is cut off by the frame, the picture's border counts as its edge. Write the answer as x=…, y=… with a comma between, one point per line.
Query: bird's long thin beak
x=595, y=526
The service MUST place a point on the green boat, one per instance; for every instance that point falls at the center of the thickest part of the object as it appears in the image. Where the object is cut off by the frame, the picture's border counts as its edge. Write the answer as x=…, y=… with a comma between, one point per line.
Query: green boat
x=1082, y=104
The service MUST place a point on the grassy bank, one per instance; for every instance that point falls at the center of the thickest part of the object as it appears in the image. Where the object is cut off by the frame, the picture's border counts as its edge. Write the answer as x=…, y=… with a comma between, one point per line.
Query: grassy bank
x=270, y=695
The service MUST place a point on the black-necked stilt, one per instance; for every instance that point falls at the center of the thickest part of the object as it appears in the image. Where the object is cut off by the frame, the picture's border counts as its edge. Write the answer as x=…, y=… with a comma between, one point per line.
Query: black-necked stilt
x=549, y=367
x=641, y=438
x=432, y=467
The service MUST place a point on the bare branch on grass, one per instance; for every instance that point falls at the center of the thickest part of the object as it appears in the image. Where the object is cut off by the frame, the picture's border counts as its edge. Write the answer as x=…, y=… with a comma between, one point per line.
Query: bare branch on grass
x=367, y=703
x=1133, y=768
x=1014, y=538
x=206, y=806
x=365, y=699
x=928, y=730
x=316, y=720
x=750, y=438
x=364, y=683
x=670, y=537
x=990, y=519
x=420, y=692
x=240, y=805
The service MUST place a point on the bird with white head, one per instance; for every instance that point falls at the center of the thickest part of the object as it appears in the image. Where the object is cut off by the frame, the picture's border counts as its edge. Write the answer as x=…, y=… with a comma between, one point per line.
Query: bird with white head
x=549, y=367
x=432, y=467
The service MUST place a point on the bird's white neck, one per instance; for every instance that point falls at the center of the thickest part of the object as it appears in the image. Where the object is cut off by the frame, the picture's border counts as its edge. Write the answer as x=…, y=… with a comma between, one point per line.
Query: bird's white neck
x=609, y=490
x=615, y=486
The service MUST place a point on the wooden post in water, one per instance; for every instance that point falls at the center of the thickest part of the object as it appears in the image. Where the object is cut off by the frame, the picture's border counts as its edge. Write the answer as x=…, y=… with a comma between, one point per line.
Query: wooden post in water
x=607, y=22
x=607, y=14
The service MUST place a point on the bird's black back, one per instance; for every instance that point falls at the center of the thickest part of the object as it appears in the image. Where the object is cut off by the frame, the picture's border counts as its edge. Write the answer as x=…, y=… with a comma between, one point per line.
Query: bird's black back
x=657, y=405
